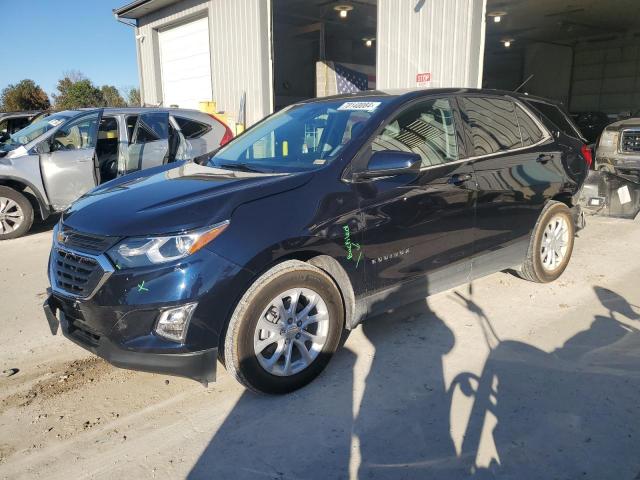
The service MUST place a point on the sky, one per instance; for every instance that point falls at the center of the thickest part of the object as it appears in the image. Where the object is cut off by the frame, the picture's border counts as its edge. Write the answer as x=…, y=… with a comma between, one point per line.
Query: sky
x=45, y=38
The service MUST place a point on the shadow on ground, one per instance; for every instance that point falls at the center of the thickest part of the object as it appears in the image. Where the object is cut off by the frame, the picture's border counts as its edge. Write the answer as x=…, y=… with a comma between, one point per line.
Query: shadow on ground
x=571, y=413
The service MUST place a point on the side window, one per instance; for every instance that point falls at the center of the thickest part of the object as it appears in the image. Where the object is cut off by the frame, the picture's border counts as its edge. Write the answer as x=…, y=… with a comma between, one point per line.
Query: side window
x=4, y=126
x=493, y=124
x=530, y=132
x=152, y=127
x=18, y=124
x=191, y=128
x=427, y=129
x=77, y=134
x=557, y=118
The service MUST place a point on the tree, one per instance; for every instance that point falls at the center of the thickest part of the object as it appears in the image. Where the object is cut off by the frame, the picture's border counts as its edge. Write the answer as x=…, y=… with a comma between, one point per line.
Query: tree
x=112, y=97
x=77, y=91
x=133, y=96
x=24, y=95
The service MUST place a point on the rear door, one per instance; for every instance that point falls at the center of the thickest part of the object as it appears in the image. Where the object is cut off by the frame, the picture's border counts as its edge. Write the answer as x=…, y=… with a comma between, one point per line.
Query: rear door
x=68, y=160
x=418, y=234
x=516, y=174
x=149, y=141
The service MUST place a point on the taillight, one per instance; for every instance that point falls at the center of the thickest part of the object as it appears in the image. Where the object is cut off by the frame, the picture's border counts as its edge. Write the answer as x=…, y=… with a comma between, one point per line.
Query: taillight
x=228, y=134
x=587, y=155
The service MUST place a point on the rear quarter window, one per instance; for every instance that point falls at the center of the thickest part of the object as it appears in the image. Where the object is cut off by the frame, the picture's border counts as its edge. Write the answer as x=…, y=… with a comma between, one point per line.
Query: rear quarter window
x=554, y=117
x=192, y=128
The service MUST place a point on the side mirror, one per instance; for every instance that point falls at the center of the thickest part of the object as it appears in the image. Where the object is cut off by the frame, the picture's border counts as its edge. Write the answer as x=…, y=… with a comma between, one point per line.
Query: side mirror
x=387, y=163
x=4, y=136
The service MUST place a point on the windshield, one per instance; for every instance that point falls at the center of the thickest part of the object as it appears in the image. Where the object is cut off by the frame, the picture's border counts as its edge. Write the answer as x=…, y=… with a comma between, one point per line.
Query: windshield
x=37, y=128
x=298, y=138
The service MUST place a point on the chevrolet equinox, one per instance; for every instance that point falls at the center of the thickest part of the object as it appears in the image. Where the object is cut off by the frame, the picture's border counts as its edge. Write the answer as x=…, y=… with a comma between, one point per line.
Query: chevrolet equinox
x=323, y=214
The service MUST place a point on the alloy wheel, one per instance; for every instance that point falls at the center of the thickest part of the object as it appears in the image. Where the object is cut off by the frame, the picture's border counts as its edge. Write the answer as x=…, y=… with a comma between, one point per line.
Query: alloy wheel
x=291, y=332
x=11, y=215
x=555, y=242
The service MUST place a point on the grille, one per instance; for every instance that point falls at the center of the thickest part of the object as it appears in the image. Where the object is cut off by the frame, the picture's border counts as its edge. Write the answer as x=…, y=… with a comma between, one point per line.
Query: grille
x=75, y=273
x=85, y=242
x=631, y=141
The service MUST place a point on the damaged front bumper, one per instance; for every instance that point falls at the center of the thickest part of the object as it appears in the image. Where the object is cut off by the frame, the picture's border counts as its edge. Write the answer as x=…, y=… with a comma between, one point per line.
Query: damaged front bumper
x=154, y=355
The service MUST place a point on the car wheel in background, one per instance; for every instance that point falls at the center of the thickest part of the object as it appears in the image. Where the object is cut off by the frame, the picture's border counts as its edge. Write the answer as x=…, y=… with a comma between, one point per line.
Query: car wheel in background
x=16, y=214
x=285, y=329
x=551, y=244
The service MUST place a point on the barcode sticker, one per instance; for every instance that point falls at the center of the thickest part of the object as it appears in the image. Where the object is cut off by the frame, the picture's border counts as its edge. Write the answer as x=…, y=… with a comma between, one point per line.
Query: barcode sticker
x=363, y=106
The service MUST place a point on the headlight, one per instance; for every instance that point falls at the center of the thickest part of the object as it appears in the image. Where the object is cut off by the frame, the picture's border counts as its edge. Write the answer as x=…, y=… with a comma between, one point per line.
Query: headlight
x=140, y=252
x=608, y=139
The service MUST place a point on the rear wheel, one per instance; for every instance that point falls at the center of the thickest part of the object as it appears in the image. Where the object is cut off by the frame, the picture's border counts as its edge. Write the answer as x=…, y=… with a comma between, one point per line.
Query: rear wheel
x=551, y=244
x=285, y=329
x=16, y=214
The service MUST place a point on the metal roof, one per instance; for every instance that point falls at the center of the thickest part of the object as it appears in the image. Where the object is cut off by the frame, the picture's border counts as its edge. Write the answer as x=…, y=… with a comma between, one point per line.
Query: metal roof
x=140, y=8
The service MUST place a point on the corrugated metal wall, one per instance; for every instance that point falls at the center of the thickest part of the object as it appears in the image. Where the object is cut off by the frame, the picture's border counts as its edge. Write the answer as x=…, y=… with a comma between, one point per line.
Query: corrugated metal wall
x=241, y=56
x=606, y=76
x=442, y=37
x=240, y=52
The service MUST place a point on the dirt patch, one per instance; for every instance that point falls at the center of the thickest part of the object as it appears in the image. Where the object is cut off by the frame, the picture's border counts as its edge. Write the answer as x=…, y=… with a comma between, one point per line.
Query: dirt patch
x=74, y=375
x=5, y=452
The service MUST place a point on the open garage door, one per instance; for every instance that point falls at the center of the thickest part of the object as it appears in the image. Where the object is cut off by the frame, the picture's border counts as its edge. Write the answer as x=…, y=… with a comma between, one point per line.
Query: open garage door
x=583, y=53
x=185, y=64
x=322, y=47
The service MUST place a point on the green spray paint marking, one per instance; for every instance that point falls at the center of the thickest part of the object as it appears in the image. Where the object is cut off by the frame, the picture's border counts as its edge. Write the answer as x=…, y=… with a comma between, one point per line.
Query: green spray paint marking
x=142, y=288
x=350, y=247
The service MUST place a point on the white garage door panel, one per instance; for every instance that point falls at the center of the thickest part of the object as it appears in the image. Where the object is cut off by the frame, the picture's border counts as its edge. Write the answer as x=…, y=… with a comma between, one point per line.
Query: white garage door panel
x=185, y=64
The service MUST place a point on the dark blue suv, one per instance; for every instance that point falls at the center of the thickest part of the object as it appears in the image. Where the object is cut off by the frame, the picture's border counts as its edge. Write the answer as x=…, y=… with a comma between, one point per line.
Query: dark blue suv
x=323, y=214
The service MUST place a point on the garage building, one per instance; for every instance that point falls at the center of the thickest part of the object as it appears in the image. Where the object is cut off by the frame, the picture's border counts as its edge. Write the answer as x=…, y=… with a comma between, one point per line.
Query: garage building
x=253, y=57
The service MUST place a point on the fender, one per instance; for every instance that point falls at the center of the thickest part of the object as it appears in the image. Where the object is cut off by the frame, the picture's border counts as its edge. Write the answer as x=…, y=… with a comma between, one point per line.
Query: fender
x=43, y=204
x=352, y=314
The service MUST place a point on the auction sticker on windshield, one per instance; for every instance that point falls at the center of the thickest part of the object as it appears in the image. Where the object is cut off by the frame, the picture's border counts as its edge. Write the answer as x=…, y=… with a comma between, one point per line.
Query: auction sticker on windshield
x=364, y=106
x=55, y=122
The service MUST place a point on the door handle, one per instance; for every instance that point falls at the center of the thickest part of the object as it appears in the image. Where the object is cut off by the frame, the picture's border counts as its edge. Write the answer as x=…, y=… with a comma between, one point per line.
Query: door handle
x=544, y=158
x=459, y=178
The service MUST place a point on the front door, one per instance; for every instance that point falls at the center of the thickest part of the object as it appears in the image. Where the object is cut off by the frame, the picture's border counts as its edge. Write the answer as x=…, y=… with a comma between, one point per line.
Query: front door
x=149, y=141
x=68, y=160
x=418, y=236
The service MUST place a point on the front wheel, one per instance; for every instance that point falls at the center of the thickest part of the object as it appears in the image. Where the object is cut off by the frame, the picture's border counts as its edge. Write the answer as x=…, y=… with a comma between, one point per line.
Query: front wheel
x=16, y=214
x=285, y=329
x=551, y=244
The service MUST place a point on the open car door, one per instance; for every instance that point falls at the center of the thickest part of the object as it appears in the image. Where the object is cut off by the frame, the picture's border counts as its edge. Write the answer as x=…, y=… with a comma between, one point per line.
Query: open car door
x=68, y=158
x=149, y=143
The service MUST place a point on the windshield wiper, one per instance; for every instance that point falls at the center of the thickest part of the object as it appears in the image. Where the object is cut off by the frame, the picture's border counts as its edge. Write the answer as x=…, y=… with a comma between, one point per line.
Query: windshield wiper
x=243, y=167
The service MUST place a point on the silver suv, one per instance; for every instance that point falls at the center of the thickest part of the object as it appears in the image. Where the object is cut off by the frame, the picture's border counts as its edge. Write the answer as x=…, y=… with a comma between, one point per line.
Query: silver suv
x=619, y=148
x=47, y=165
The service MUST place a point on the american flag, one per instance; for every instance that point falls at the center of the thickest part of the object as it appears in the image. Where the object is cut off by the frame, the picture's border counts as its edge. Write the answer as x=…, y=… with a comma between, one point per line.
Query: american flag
x=350, y=81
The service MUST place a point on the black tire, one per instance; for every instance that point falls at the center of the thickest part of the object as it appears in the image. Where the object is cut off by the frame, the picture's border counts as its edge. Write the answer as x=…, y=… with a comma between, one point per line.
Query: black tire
x=240, y=359
x=27, y=212
x=532, y=269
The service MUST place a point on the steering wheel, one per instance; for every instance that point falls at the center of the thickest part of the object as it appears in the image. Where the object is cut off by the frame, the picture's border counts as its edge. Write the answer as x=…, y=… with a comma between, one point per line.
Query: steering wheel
x=57, y=145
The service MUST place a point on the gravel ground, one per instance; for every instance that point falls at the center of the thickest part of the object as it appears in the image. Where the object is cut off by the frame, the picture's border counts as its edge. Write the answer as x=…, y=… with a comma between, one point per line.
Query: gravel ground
x=501, y=378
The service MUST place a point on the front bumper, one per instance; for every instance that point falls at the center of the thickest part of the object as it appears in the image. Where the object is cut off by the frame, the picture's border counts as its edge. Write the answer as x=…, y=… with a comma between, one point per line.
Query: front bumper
x=198, y=365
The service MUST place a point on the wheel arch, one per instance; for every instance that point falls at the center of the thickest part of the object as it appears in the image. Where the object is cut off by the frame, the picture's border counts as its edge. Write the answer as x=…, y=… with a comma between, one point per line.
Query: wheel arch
x=33, y=195
x=331, y=267
x=564, y=197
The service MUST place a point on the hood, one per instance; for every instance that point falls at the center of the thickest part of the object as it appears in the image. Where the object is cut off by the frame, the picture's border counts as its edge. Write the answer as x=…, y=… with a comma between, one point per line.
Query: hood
x=622, y=124
x=166, y=200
